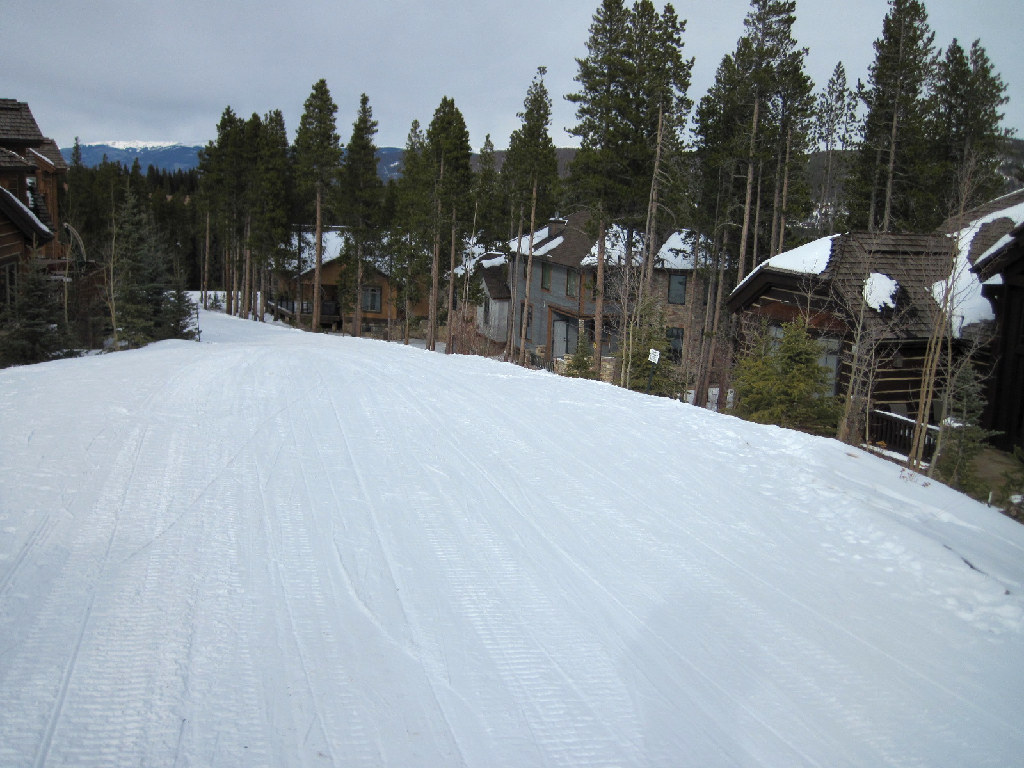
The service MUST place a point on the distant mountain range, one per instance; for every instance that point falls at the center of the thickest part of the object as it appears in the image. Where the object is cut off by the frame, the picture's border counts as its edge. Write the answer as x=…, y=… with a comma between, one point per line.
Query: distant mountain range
x=166, y=157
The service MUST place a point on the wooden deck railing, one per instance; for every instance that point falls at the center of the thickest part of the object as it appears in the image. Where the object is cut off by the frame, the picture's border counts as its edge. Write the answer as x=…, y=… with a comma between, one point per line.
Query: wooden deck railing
x=896, y=433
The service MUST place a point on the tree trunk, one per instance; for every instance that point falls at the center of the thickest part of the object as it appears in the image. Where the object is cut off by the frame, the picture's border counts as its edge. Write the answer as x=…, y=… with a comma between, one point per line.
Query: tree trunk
x=785, y=192
x=890, y=170
x=318, y=249
x=206, y=266
x=450, y=342
x=357, y=309
x=529, y=275
x=754, y=260
x=741, y=270
x=652, y=213
x=599, y=296
x=246, y=271
x=513, y=286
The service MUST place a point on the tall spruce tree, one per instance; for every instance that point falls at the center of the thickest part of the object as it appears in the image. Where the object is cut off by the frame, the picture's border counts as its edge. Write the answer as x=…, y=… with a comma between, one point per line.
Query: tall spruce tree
x=488, y=198
x=273, y=189
x=317, y=159
x=594, y=176
x=964, y=126
x=363, y=196
x=631, y=110
x=531, y=167
x=893, y=173
x=449, y=151
x=833, y=133
x=411, y=236
x=751, y=132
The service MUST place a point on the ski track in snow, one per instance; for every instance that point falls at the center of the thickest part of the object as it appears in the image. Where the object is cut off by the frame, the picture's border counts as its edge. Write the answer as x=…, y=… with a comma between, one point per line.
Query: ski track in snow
x=275, y=548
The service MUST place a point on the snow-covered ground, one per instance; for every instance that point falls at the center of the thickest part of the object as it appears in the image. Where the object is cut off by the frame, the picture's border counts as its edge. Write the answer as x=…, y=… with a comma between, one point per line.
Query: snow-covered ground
x=274, y=548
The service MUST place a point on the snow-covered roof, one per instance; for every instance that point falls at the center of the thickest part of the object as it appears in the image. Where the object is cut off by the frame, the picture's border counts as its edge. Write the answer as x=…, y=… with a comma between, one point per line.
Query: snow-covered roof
x=1014, y=211
x=675, y=253
x=963, y=287
x=807, y=259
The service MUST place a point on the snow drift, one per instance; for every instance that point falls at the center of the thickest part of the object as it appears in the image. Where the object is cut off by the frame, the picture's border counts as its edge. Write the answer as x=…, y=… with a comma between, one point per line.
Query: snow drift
x=277, y=548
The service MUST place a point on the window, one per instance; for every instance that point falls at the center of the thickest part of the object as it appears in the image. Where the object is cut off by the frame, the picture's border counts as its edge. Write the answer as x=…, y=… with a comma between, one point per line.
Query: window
x=675, y=340
x=677, y=289
x=545, y=276
x=371, y=298
x=572, y=283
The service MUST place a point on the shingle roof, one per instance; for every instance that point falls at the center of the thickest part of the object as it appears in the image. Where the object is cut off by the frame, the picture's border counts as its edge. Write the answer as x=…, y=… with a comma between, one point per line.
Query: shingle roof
x=915, y=262
x=50, y=153
x=17, y=126
x=495, y=284
x=11, y=159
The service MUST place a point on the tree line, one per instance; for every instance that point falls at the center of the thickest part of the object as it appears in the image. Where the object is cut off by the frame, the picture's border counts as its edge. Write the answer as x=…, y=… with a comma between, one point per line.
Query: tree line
x=732, y=168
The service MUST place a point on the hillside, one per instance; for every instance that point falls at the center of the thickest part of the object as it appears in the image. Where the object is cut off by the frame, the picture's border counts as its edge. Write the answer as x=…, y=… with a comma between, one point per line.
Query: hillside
x=286, y=549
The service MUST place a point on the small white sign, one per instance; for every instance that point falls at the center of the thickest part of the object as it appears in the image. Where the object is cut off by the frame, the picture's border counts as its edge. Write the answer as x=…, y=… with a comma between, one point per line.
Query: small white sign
x=654, y=356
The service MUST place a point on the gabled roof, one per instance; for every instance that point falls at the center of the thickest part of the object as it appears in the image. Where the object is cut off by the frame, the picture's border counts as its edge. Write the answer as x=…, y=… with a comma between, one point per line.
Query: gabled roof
x=494, y=283
x=561, y=241
x=849, y=269
x=17, y=126
x=26, y=221
x=11, y=159
x=48, y=156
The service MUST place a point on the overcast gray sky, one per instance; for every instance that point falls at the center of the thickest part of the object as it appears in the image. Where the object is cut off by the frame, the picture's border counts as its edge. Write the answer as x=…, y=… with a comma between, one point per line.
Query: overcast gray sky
x=164, y=71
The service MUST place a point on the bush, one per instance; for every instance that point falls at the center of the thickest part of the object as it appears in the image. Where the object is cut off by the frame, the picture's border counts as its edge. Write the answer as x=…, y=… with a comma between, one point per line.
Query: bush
x=779, y=381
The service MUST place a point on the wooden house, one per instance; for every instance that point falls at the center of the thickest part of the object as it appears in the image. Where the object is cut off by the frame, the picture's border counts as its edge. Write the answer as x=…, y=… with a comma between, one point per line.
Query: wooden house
x=492, y=312
x=871, y=298
x=31, y=174
x=998, y=258
x=32, y=169
x=380, y=305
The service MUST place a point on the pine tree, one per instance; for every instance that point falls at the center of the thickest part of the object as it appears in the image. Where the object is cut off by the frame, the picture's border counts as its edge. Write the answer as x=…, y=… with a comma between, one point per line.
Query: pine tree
x=631, y=110
x=317, y=159
x=411, y=236
x=752, y=128
x=964, y=124
x=531, y=167
x=836, y=115
x=779, y=381
x=594, y=176
x=893, y=172
x=32, y=329
x=448, y=151
x=362, y=195
x=273, y=191
x=488, y=198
